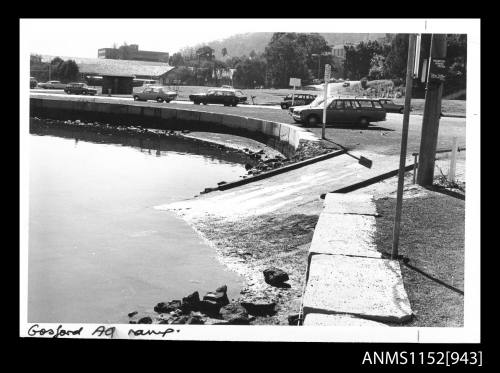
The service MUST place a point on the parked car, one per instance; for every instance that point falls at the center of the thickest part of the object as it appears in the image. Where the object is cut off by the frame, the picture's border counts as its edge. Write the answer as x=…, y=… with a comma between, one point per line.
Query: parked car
x=79, y=89
x=157, y=93
x=299, y=100
x=242, y=98
x=52, y=84
x=342, y=110
x=227, y=97
x=33, y=82
x=391, y=107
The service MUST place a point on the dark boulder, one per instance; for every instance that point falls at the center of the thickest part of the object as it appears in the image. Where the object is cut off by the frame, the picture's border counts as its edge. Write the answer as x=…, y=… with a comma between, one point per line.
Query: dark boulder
x=145, y=320
x=209, y=308
x=260, y=309
x=213, y=301
x=248, y=166
x=191, y=302
x=235, y=313
x=132, y=314
x=166, y=307
x=275, y=276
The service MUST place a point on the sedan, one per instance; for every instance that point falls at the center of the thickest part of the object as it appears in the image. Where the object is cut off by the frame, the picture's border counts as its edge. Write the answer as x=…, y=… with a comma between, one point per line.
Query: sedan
x=226, y=97
x=157, y=93
x=52, y=84
x=80, y=89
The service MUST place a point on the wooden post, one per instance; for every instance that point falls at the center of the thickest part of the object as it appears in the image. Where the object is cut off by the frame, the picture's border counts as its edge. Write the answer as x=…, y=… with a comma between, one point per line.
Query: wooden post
x=453, y=161
x=327, y=79
x=432, y=114
x=404, y=142
x=415, y=168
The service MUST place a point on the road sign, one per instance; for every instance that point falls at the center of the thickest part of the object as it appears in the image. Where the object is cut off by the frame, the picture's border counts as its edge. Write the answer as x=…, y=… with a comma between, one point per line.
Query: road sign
x=295, y=82
x=328, y=71
x=437, y=70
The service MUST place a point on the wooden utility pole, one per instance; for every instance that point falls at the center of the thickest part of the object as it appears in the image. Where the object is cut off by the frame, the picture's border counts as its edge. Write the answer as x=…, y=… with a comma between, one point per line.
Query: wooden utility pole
x=404, y=142
x=432, y=111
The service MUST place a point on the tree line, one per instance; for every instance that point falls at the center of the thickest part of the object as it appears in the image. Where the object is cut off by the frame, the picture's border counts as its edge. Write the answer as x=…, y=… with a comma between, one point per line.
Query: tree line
x=304, y=55
x=57, y=69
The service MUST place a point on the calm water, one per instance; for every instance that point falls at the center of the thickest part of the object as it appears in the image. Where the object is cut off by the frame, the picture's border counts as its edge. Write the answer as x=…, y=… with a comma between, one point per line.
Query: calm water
x=97, y=247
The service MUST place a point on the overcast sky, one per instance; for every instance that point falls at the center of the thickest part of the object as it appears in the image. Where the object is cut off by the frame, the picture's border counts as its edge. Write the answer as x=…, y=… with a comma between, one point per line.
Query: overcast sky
x=82, y=37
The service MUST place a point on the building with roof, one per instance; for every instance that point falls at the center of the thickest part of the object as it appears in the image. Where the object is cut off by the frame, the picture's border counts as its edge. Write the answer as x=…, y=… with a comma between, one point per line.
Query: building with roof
x=132, y=52
x=120, y=75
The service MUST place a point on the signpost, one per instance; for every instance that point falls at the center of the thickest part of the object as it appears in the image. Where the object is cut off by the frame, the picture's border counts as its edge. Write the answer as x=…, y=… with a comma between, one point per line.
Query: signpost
x=295, y=82
x=328, y=70
x=404, y=142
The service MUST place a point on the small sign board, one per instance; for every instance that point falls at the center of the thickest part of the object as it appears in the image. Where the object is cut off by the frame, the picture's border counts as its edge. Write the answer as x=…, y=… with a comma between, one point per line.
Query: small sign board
x=328, y=71
x=365, y=162
x=295, y=82
x=437, y=70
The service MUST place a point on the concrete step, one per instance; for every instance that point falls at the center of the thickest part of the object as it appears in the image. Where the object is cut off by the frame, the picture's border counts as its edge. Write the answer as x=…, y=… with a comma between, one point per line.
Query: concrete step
x=344, y=234
x=368, y=287
x=319, y=319
x=339, y=203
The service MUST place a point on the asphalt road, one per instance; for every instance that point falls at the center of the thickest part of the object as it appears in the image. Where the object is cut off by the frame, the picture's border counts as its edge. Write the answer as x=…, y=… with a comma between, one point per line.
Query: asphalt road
x=380, y=138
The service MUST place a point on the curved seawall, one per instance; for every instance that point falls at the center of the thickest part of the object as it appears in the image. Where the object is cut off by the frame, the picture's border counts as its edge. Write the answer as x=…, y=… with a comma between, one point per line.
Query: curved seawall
x=283, y=137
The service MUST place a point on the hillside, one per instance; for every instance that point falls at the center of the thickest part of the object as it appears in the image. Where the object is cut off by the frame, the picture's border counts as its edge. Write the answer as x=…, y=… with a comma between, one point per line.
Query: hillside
x=243, y=44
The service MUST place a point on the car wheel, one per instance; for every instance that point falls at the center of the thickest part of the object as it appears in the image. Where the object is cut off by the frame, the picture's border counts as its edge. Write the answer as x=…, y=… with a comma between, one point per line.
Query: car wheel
x=312, y=120
x=159, y=99
x=401, y=111
x=205, y=103
x=284, y=106
x=197, y=102
x=84, y=93
x=364, y=122
x=136, y=98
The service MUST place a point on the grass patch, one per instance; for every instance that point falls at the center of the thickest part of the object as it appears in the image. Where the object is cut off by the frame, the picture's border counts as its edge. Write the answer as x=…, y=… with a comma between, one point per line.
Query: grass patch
x=432, y=239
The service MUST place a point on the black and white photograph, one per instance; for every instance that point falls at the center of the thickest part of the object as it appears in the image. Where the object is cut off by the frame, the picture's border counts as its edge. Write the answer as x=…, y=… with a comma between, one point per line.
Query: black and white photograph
x=250, y=179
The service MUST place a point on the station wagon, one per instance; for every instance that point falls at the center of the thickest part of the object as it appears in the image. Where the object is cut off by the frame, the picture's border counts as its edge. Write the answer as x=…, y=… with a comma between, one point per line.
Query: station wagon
x=298, y=100
x=342, y=110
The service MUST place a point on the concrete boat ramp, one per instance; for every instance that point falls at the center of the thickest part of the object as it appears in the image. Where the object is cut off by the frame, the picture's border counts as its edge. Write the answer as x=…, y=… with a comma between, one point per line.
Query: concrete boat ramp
x=348, y=282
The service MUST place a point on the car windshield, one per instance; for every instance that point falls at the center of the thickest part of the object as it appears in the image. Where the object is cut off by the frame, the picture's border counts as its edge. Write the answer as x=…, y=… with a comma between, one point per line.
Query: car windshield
x=239, y=93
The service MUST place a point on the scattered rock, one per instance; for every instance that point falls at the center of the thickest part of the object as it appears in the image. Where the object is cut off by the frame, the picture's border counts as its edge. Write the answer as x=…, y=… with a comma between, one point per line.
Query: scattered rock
x=275, y=276
x=132, y=314
x=191, y=302
x=209, y=308
x=248, y=166
x=235, y=313
x=195, y=319
x=259, y=309
x=213, y=301
x=221, y=183
x=180, y=320
x=166, y=307
x=145, y=320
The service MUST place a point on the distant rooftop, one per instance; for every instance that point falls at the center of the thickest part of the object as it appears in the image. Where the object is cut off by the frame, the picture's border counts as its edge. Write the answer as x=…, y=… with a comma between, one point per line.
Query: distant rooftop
x=110, y=67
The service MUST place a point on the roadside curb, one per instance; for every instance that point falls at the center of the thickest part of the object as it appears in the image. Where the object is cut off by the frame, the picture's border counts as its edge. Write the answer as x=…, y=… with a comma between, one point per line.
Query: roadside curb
x=280, y=170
